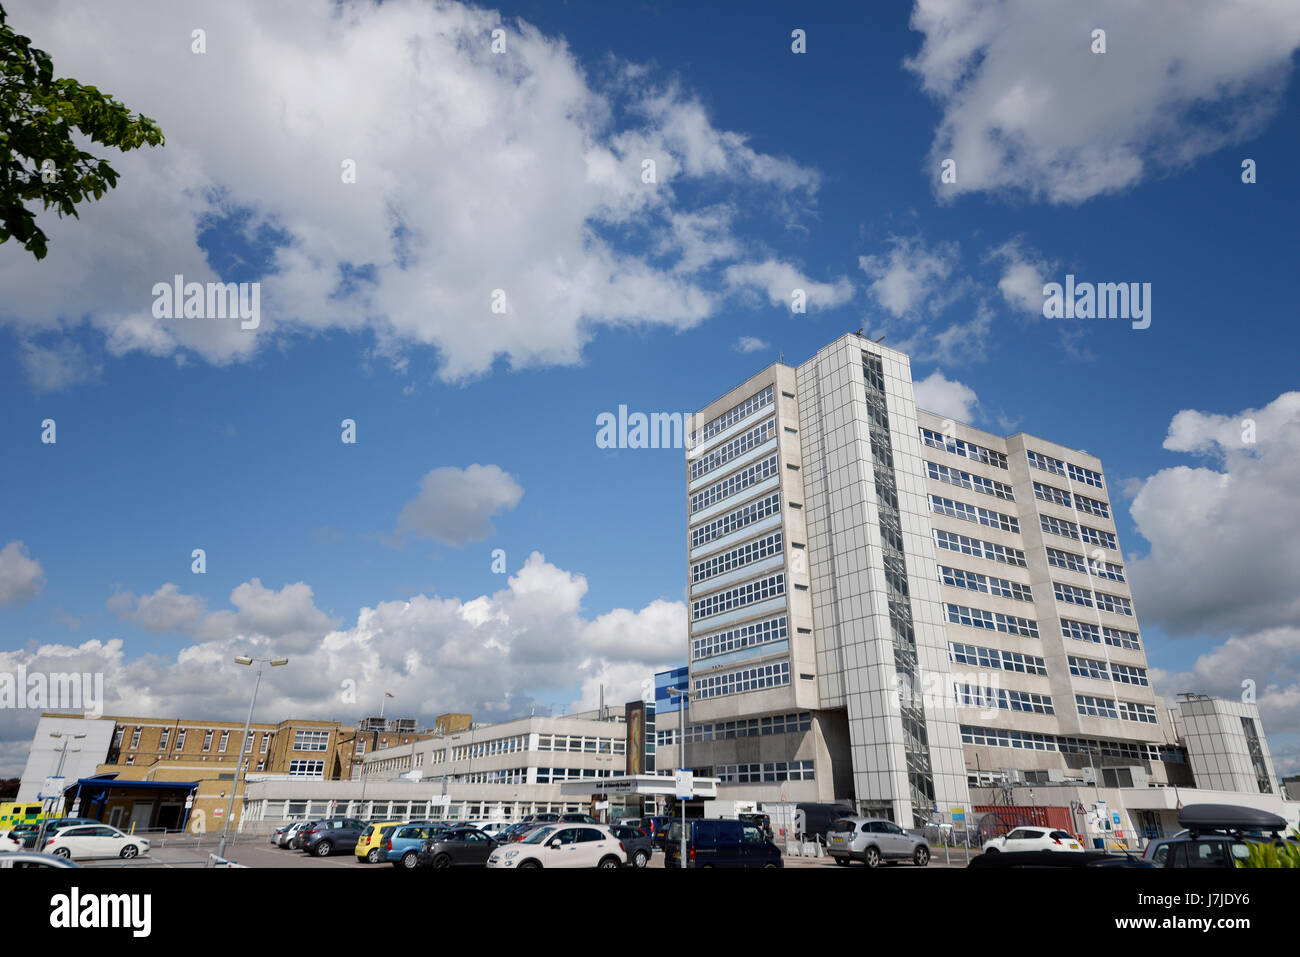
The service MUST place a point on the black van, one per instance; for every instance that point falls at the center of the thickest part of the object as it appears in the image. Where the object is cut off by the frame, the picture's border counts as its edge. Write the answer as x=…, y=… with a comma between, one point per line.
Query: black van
x=721, y=843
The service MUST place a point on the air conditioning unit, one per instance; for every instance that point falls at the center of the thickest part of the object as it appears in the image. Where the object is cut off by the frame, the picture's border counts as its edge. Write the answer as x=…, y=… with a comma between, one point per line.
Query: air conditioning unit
x=1056, y=775
x=1089, y=776
x=1013, y=776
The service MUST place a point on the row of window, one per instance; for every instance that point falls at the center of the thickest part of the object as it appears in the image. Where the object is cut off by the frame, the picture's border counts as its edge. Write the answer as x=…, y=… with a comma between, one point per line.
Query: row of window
x=478, y=749
x=1093, y=668
x=992, y=621
x=1059, y=496
x=307, y=769
x=1032, y=741
x=742, y=636
x=973, y=513
x=736, y=482
x=165, y=740
x=1109, y=708
x=1093, y=536
x=967, y=480
x=738, y=597
x=1077, y=563
x=554, y=775
x=969, y=450
x=744, y=728
x=734, y=448
x=980, y=549
x=975, y=696
x=738, y=557
x=995, y=658
x=747, y=514
x=988, y=584
x=1082, y=596
x=770, y=772
x=1086, y=631
x=586, y=745
x=733, y=415
x=1076, y=472
x=750, y=679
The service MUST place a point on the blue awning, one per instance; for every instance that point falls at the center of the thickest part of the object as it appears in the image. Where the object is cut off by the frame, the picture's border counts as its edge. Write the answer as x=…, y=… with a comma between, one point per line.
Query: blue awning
x=113, y=782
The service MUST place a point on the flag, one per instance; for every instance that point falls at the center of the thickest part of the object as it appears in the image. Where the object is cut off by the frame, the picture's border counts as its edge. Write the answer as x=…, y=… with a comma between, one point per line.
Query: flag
x=387, y=695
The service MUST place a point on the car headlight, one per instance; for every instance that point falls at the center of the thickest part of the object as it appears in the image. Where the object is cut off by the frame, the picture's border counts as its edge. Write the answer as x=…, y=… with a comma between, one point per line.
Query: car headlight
x=511, y=854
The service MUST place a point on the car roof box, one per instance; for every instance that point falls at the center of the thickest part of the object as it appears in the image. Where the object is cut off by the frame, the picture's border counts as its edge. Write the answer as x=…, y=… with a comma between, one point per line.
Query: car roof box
x=1225, y=817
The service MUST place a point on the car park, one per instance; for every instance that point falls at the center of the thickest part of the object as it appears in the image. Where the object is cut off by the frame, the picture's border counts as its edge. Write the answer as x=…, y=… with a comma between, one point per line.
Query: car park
x=458, y=847
x=90, y=841
x=564, y=846
x=720, y=843
x=1033, y=839
x=327, y=837
x=370, y=847
x=874, y=840
x=638, y=844
x=291, y=833
x=1040, y=859
x=1215, y=836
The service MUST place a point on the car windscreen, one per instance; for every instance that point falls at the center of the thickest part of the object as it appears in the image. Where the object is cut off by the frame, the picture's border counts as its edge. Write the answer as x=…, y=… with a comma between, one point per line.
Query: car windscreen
x=537, y=837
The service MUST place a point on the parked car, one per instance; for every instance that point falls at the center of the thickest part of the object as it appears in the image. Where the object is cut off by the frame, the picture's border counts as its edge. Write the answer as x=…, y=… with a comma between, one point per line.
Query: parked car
x=402, y=843
x=575, y=818
x=873, y=840
x=1033, y=839
x=544, y=818
x=296, y=836
x=1216, y=836
x=26, y=833
x=370, y=845
x=720, y=843
x=335, y=834
x=56, y=824
x=10, y=842
x=87, y=841
x=279, y=832
x=493, y=828
x=638, y=844
x=516, y=834
x=290, y=832
x=33, y=859
x=563, y=845
x=458, y=847
x=814, y=820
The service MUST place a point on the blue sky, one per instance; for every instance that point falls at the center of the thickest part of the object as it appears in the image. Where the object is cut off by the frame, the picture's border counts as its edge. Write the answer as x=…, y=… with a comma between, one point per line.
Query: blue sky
x=522, y=171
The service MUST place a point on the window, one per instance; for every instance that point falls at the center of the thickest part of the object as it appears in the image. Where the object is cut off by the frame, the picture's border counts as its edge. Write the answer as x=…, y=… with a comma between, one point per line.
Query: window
x=974, y=696
x=976, y=483
x=1046, y=463
x=979, y=549
x=1089, y=668
x=736, y=520
x=994, y=658
x=734, y=448
x=1107, y=570
x=221, y=746
x=1060, y=559
x=973, y=513
x=1092, y=506
x=1114, y=603
x=311, y=740
x=1095, y=536
x=1095, y=707
x=966, y=449
x=749, y=679
x=733, y=415
x=207, y=740
x=1132, y=711
x=135, y=738
x=738, y=597
x=978, y=618
x=1087, y=476
x=248, y=742
x=733, y=483
x=1122, y=639
x=163, y=737
x=1072, y=595
x=1050, y=493
x=266, y=741
x=742, y=636
x=738, y=557
x=180, y=739
x=960, y=578
x=307, y=769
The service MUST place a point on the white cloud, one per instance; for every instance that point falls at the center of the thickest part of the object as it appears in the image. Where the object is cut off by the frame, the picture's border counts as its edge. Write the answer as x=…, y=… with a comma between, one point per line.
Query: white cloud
x=21, y=576
x=1225, y=536
x=947, y=397
x=912, y=277
x=1024, y=273
x=492, y=656
x=58, y=365
x=778, y=281
x=474, y=172
x=454, y=506
x=749, y=344
x=166, y=610
x=1028, y=107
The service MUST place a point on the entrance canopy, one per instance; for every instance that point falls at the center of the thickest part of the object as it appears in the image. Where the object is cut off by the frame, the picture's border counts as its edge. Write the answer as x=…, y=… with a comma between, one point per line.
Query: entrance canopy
x=653, y=784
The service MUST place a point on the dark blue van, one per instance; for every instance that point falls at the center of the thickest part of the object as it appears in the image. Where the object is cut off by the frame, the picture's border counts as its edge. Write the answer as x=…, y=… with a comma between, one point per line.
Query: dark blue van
x=721, y=843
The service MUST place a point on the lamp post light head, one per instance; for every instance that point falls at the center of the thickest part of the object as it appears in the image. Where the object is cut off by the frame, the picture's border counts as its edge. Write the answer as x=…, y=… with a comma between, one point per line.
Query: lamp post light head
x=277, y=662
x=243, y=660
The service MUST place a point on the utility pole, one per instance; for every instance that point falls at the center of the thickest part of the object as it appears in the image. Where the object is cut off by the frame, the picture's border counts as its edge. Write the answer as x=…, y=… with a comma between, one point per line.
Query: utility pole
x=243, y=742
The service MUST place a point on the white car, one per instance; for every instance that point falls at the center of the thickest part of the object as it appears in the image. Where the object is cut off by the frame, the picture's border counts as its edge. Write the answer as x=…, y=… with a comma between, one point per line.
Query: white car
x=1033, y=839
x=563, y=845
x=492, y=828
x=86, y=841
x=9, y=843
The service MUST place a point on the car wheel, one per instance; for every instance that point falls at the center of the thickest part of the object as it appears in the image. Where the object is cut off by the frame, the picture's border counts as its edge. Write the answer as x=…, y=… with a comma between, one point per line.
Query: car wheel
x=640, y=859
x=922, y=856
x=62, y=852
x=769, y=864
x=442, y=860
x=842, y=861
x=529, y=865
x=323, y=849
x=873, y=857
x=991, y=850
x=128, y=852
x=375, y=855
x=609, y=864
x=409, y=860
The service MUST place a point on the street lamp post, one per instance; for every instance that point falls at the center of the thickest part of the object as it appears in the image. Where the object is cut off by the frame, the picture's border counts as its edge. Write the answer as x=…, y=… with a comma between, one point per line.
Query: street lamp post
x=243, y=741
x=681, y=753
x=58, y=773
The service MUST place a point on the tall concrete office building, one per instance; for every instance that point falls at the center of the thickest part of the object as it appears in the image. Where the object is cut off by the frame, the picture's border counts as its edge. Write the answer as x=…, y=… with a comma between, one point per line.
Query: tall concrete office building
x=886, y=606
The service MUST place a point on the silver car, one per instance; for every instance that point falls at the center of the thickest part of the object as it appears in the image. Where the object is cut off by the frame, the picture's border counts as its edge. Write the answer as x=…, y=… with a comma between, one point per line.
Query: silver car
x=872, y=840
